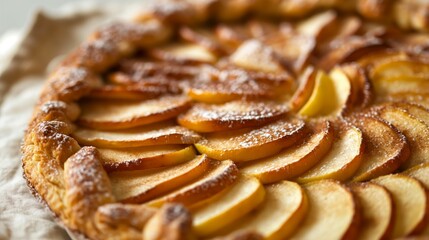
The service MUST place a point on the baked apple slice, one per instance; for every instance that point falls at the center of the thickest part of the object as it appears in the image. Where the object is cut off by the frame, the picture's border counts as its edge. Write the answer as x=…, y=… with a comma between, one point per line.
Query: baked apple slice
x=231, y=115
x=414, y=130
x=318, y=26
x=332, y=212
x=149, y=73
x=183, y=53
x=344, y=158
x=414, y=98
x=411, y=203
x=169, y=85
x=400, y=68
x=255, y=55
x=377, y=210
x=342, y=27
x=204, y=38
x=145, y=157
x=307, y=82
x=164, y=133
x=284, y=207
x=400, y=85
x=350, y=49
x=227, y=206
x=220, y=86
x=295, y=160
x=385, y=148
x=421, y=173
x=419, y=112
x=245, y=144
x=260, y=29
x=144, y=185
x=400, y=76
x=232, y=35
x=220, y=175
x=362, y=93
x=329, y=96
x=131, y=92
x=294, y=50
x=344, y=89
x=121, y=115
x=371, y=60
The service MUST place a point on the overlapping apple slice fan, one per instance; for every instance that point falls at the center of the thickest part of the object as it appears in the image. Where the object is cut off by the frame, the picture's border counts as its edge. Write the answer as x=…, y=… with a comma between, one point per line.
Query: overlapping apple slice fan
x=249, y=126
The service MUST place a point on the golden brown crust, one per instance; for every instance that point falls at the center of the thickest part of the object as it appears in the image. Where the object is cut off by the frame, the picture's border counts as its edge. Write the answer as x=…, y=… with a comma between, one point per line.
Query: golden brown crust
x=87, y=187
x=172, y=222
x=69, y=84
x=82, y=200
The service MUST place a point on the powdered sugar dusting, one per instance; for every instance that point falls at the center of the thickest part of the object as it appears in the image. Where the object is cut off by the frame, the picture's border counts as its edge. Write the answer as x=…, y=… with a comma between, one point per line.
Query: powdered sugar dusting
x=236, y=111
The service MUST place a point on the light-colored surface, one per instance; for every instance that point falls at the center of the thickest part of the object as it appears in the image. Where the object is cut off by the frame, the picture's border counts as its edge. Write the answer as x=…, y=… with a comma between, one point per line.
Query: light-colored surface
x=21, y=215
x=16, y=14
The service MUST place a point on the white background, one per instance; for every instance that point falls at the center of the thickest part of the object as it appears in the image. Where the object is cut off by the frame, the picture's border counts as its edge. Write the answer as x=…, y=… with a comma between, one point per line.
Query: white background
x=15, y=14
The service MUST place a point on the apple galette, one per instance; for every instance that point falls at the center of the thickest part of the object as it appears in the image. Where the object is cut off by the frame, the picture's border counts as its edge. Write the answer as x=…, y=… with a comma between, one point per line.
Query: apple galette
x=240, y=119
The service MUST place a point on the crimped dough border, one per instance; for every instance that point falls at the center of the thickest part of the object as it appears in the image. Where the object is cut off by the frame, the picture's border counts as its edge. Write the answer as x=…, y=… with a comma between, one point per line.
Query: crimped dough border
x=47, y=147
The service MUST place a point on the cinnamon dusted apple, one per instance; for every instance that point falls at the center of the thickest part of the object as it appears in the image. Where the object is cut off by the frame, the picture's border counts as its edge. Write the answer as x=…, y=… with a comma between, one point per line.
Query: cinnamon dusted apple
x=143, y=185
x=231, y=115
x=246, y=145
x=413, y=129
x=343, y=159
x=120, y=115
x=132, y=92
x=191, y=53
x=378, y=210
x=219, y=176
x=293, y=161
x=223, y=85
x=385, y=148
x=339, y=210
x=153, y=134
x=145, y=157
x=411, y=203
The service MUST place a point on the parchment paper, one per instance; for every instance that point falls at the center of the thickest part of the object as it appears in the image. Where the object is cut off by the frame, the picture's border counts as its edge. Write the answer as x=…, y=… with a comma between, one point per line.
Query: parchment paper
x=42, y=45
